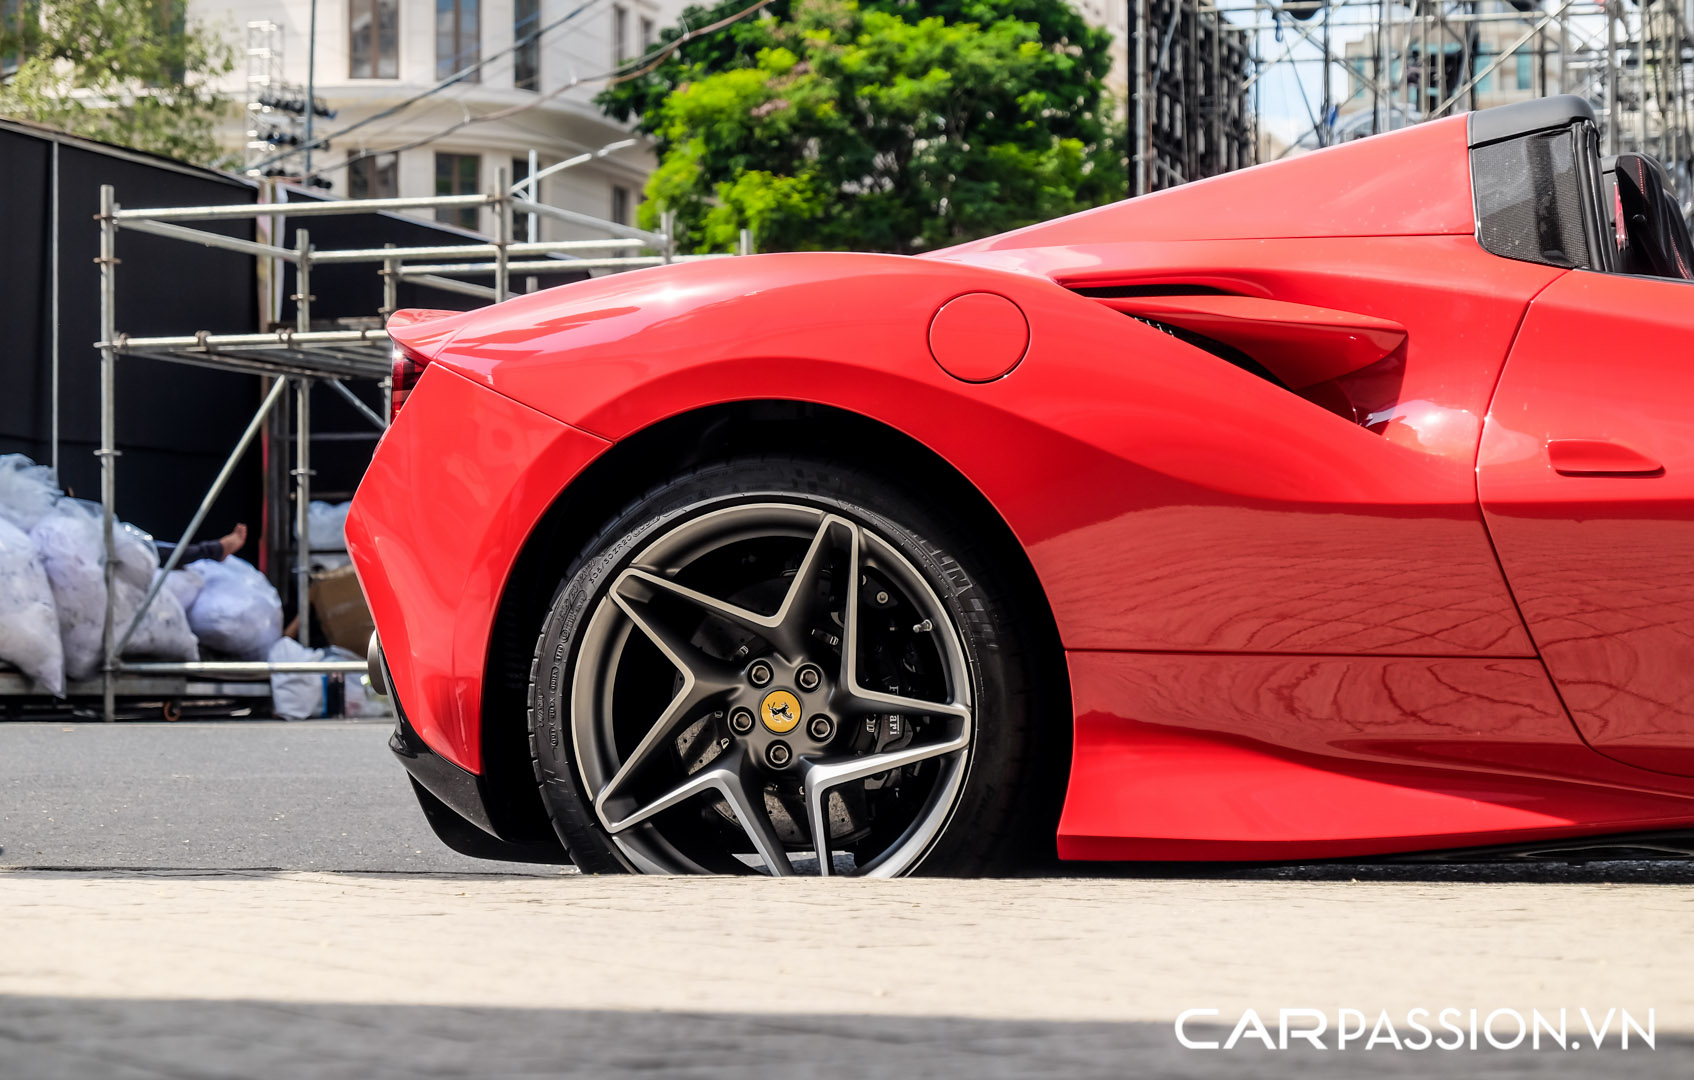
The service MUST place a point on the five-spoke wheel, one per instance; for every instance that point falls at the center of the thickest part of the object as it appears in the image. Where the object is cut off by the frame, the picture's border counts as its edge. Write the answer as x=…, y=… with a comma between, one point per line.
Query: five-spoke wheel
x=758, y=682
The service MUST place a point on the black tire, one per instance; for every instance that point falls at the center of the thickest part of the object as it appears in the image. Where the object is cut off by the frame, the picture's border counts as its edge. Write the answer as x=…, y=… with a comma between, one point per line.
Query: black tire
x=1004, y=815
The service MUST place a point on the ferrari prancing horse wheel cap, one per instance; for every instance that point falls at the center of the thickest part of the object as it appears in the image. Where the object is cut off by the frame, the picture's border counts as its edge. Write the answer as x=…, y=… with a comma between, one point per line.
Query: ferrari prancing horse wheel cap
x=780, y=711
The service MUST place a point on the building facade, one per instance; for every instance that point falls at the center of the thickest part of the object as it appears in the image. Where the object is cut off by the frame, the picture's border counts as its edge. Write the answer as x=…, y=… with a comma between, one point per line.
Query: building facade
x=536, y=93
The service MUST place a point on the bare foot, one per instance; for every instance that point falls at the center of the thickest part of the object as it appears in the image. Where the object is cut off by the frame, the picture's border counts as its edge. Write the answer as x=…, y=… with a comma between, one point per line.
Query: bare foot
x=234, y=541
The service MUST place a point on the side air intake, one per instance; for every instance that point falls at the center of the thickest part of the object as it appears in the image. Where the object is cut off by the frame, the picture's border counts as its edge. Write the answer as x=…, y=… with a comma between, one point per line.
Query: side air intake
x=1347, y=363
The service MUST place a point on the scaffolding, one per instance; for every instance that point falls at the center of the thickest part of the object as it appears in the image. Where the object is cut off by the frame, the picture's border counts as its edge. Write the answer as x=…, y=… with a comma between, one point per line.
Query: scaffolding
x=1200, y=70
x=1189, y=72
x=297, y=357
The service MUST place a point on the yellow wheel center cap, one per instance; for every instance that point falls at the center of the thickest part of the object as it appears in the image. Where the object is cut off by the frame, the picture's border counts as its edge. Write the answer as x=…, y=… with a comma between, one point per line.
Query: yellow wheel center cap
x=780, y=711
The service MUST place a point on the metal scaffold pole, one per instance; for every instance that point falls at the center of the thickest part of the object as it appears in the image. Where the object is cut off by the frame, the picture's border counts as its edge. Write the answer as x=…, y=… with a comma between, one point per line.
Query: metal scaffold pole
x=54, y=286
x=108, y=436
x=532, y=192
x=390, y=286
x=1612, y=123
x=311, y=82
x=1139, y=128
x=303, y=446
x=502, y=236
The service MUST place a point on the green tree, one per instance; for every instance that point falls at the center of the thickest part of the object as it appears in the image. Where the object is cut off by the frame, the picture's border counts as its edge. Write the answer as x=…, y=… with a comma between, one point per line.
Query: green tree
x=878, y=125
x=134, y=72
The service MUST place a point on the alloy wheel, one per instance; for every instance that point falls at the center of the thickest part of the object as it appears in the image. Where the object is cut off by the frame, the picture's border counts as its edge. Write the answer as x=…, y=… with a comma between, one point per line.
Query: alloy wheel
x=776, y=683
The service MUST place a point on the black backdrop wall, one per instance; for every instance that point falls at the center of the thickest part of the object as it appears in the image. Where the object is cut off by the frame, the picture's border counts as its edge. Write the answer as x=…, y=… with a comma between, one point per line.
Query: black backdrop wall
x=175, y=423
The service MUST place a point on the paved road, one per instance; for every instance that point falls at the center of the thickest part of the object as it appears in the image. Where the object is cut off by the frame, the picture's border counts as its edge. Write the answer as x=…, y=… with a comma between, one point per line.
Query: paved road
x=319, y=795
x=368, y=951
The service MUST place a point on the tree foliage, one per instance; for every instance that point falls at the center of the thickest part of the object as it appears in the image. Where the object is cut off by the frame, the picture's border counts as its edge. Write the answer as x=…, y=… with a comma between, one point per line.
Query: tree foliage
x=133, y=72
x=879, y=124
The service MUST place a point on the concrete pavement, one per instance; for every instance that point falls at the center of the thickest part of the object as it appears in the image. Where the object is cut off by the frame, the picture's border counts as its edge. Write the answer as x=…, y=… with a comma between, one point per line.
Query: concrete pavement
x=260, y=974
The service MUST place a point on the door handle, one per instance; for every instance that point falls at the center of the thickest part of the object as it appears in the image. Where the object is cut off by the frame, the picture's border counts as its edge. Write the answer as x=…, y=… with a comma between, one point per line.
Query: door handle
x=1598, y=457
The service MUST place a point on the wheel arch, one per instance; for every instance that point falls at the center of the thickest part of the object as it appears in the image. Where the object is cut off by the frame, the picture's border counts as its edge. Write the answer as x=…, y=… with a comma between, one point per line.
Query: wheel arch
x=646, y=458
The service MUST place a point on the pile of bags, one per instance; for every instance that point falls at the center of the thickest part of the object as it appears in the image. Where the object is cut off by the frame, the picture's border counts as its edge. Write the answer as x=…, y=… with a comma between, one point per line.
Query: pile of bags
x=53, y=589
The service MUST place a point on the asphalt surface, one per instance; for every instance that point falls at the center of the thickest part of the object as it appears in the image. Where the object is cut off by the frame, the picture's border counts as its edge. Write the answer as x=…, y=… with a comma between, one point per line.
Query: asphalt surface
x=249, y=899
x=314, y=795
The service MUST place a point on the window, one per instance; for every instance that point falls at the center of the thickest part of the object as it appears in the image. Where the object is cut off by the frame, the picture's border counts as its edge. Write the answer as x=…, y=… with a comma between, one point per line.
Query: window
x=1523, y=60
x=646, y=35
x=526, y=60
x=373, y=31
x=1484, y=57
x=458, y=37
x=374, y=177
x=520, y=171
x=620, y=33
x=458, y=174
x=620, y=204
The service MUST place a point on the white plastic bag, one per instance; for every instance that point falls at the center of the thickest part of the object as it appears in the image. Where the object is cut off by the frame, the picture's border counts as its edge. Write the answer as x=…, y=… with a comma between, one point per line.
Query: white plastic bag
x=138, y=556
x=27, y=491
x=72, y=547
x=29, y=623
x=326, y=525
x=185, y=585
x=71, y=539
x=298, y=695
x=237, y=611
x=164, y=633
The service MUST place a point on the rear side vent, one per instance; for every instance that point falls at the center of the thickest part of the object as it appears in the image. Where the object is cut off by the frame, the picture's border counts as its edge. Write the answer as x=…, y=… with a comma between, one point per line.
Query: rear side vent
x=1341, y=361
x=1223, y=352
x=1114, y=292
x=1297, y=344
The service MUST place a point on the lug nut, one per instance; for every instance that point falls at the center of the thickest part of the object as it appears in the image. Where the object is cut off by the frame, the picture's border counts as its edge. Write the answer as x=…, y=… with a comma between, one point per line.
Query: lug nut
x=821, y=728
x=809, y=677
x=741, y=721
x=779, y=754
x=760, y=673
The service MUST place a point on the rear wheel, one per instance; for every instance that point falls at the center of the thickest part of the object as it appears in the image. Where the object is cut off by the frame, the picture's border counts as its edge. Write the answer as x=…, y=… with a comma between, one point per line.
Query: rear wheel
x=776, y=664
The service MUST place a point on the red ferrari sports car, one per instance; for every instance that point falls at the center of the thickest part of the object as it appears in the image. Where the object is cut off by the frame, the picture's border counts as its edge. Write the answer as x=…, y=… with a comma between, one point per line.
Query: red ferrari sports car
x=1337, y=507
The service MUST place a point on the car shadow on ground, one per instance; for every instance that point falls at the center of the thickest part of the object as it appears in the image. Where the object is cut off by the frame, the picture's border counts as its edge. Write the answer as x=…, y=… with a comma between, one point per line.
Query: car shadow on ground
x=1532, y=872
x=1526, y=872
x=114, y=1039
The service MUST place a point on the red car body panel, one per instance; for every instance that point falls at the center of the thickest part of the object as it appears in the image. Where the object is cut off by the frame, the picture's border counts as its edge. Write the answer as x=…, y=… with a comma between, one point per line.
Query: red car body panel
x=1414, y=183
x=1288, y=630
x=1587, y=477
x=1279, y=757
x=435, y=535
